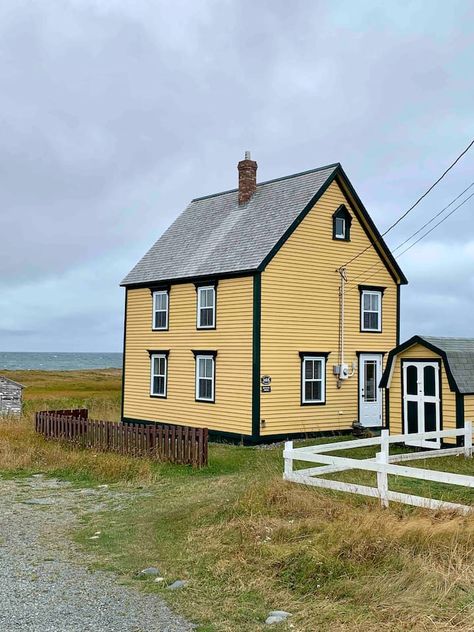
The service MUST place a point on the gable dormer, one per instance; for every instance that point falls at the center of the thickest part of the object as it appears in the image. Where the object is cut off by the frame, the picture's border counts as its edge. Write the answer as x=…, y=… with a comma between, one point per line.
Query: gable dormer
x=341, y=224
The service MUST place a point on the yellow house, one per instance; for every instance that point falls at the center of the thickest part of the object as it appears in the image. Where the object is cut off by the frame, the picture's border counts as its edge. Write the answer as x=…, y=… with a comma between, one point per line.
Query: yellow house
x=429, y=384
x=243, y=317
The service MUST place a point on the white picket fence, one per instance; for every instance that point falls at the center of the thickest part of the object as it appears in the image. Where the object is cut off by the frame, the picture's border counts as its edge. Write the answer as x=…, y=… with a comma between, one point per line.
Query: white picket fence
x=383, y=464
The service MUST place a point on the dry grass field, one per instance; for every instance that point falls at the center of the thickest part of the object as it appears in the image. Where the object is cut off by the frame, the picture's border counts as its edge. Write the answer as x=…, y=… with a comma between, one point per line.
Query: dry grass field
x=248, y=542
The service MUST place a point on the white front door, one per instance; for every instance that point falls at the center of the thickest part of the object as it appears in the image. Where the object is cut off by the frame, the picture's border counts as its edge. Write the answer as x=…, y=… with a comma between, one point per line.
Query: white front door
x=421, y=400
x=370, y=395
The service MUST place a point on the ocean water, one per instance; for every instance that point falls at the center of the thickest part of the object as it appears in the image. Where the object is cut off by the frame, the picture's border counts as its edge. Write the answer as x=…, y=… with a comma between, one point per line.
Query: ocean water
x=59, y=361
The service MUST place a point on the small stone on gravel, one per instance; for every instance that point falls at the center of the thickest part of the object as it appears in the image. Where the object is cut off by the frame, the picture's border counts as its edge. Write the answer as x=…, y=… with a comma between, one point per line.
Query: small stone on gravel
x=179, y=583
x=159, y=579
x=45, y=582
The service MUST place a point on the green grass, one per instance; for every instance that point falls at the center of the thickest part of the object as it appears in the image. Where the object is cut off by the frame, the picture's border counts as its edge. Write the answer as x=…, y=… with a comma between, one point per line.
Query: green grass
x=249, y=542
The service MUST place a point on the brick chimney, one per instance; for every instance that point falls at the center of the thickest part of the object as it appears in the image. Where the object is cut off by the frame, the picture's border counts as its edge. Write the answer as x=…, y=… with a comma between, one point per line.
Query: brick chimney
x=247, y=178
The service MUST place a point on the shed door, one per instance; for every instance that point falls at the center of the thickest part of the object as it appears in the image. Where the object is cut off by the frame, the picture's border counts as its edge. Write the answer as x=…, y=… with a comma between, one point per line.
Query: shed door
x=421, y=400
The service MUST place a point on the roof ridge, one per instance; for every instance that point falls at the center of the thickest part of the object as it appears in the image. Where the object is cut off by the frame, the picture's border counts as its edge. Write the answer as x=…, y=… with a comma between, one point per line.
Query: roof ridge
x=261, y=184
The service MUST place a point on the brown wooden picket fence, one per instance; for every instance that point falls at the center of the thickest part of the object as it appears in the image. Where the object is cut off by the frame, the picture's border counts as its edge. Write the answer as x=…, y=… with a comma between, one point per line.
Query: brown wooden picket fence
x=174, y=444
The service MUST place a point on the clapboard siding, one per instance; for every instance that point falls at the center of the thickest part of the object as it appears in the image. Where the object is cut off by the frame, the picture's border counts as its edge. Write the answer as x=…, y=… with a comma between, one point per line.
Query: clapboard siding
x=469, y=407
x=232, y=339
x=300, y=312
x=10, y=397
x=395, y=390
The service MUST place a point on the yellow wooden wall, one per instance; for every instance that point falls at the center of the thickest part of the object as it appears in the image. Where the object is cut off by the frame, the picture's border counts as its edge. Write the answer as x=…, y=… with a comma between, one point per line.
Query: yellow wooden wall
x=300, y=312
x=448, y=397
x=232, y=339
x=469, y=407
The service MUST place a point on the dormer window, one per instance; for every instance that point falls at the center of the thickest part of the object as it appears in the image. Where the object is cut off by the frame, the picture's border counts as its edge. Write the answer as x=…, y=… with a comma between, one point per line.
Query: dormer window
x=341, y=224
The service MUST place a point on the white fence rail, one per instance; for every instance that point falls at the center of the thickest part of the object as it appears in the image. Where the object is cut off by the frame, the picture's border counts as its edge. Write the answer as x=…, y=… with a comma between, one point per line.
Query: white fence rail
x=383, y=464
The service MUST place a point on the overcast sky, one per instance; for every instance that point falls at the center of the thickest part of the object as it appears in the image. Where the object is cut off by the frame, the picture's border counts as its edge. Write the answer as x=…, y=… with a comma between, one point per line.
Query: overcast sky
x=115, y=113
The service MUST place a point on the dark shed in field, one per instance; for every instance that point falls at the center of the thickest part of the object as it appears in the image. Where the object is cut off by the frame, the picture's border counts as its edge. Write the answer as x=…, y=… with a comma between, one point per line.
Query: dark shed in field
x=10, y=396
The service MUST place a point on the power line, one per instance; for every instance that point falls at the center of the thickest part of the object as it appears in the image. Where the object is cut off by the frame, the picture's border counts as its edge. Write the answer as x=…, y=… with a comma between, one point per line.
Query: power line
x=415, y=204
x=436, y=225
x=433, y=218
x=363, y=274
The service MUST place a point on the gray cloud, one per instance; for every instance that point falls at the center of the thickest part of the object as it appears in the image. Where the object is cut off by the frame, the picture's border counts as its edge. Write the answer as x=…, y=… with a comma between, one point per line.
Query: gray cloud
x=114, y=114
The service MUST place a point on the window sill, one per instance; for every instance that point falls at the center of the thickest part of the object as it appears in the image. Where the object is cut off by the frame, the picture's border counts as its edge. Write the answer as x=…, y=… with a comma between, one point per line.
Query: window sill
x=313, y=403
x=205, y=401
x=158, y=396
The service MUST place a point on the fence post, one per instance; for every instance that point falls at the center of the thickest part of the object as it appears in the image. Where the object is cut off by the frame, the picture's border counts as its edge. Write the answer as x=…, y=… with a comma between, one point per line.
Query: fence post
x=382, y=477
x=288, y=460
x=468, y=439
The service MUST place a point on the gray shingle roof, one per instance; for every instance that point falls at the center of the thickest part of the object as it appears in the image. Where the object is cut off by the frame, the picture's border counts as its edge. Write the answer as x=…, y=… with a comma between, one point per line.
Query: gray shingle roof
x=214, y=235
x=460, y=356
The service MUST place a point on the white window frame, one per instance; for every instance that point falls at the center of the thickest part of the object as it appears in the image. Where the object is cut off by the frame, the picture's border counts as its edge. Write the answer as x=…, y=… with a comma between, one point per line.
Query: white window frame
x=204, y=356
x=336, y=234
x=200, y=289
x=166, y=311
x=322, y=360
x=153, y=374
x=363, y=311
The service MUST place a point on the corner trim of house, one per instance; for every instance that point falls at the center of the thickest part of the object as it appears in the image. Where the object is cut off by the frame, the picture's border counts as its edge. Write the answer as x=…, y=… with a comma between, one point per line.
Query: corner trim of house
x=256, y=353
x=460, y=415
x=123, y=352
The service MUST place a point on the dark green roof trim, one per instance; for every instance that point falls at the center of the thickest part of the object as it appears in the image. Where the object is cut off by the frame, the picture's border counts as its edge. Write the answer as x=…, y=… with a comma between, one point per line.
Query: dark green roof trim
x=421, y=341
x=197, y=280
x=377, y=242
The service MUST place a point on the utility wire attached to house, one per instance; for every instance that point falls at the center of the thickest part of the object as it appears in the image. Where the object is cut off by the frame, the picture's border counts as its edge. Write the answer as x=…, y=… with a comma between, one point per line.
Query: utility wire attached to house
x=376, y=268
x=413, y=205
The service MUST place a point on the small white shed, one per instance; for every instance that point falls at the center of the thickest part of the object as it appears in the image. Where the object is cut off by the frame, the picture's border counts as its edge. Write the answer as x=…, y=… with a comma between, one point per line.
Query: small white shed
x=10, y=396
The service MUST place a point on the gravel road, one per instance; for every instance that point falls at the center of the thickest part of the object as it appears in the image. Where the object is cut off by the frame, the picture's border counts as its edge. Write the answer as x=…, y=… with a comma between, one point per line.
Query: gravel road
x=44, y=582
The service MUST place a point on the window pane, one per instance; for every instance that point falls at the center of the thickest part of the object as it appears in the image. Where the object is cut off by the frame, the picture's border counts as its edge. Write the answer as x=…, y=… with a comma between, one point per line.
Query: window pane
x=316, y=391
x=371, y=320
x=161, y=366
x=308, y=391
x=205, y=389
x=412, y=421
x=317, y=365
x=370, y=392
x=160, y=301
x=160, y=320
x=206, y=297
x=366, y=301
x=208, y=368
x=158, y=385
x=340, y=227
x=308, y=369
x=412, y=380
x=429, y=381
x=430, y=416
x=207, y=317
x=201, y=362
